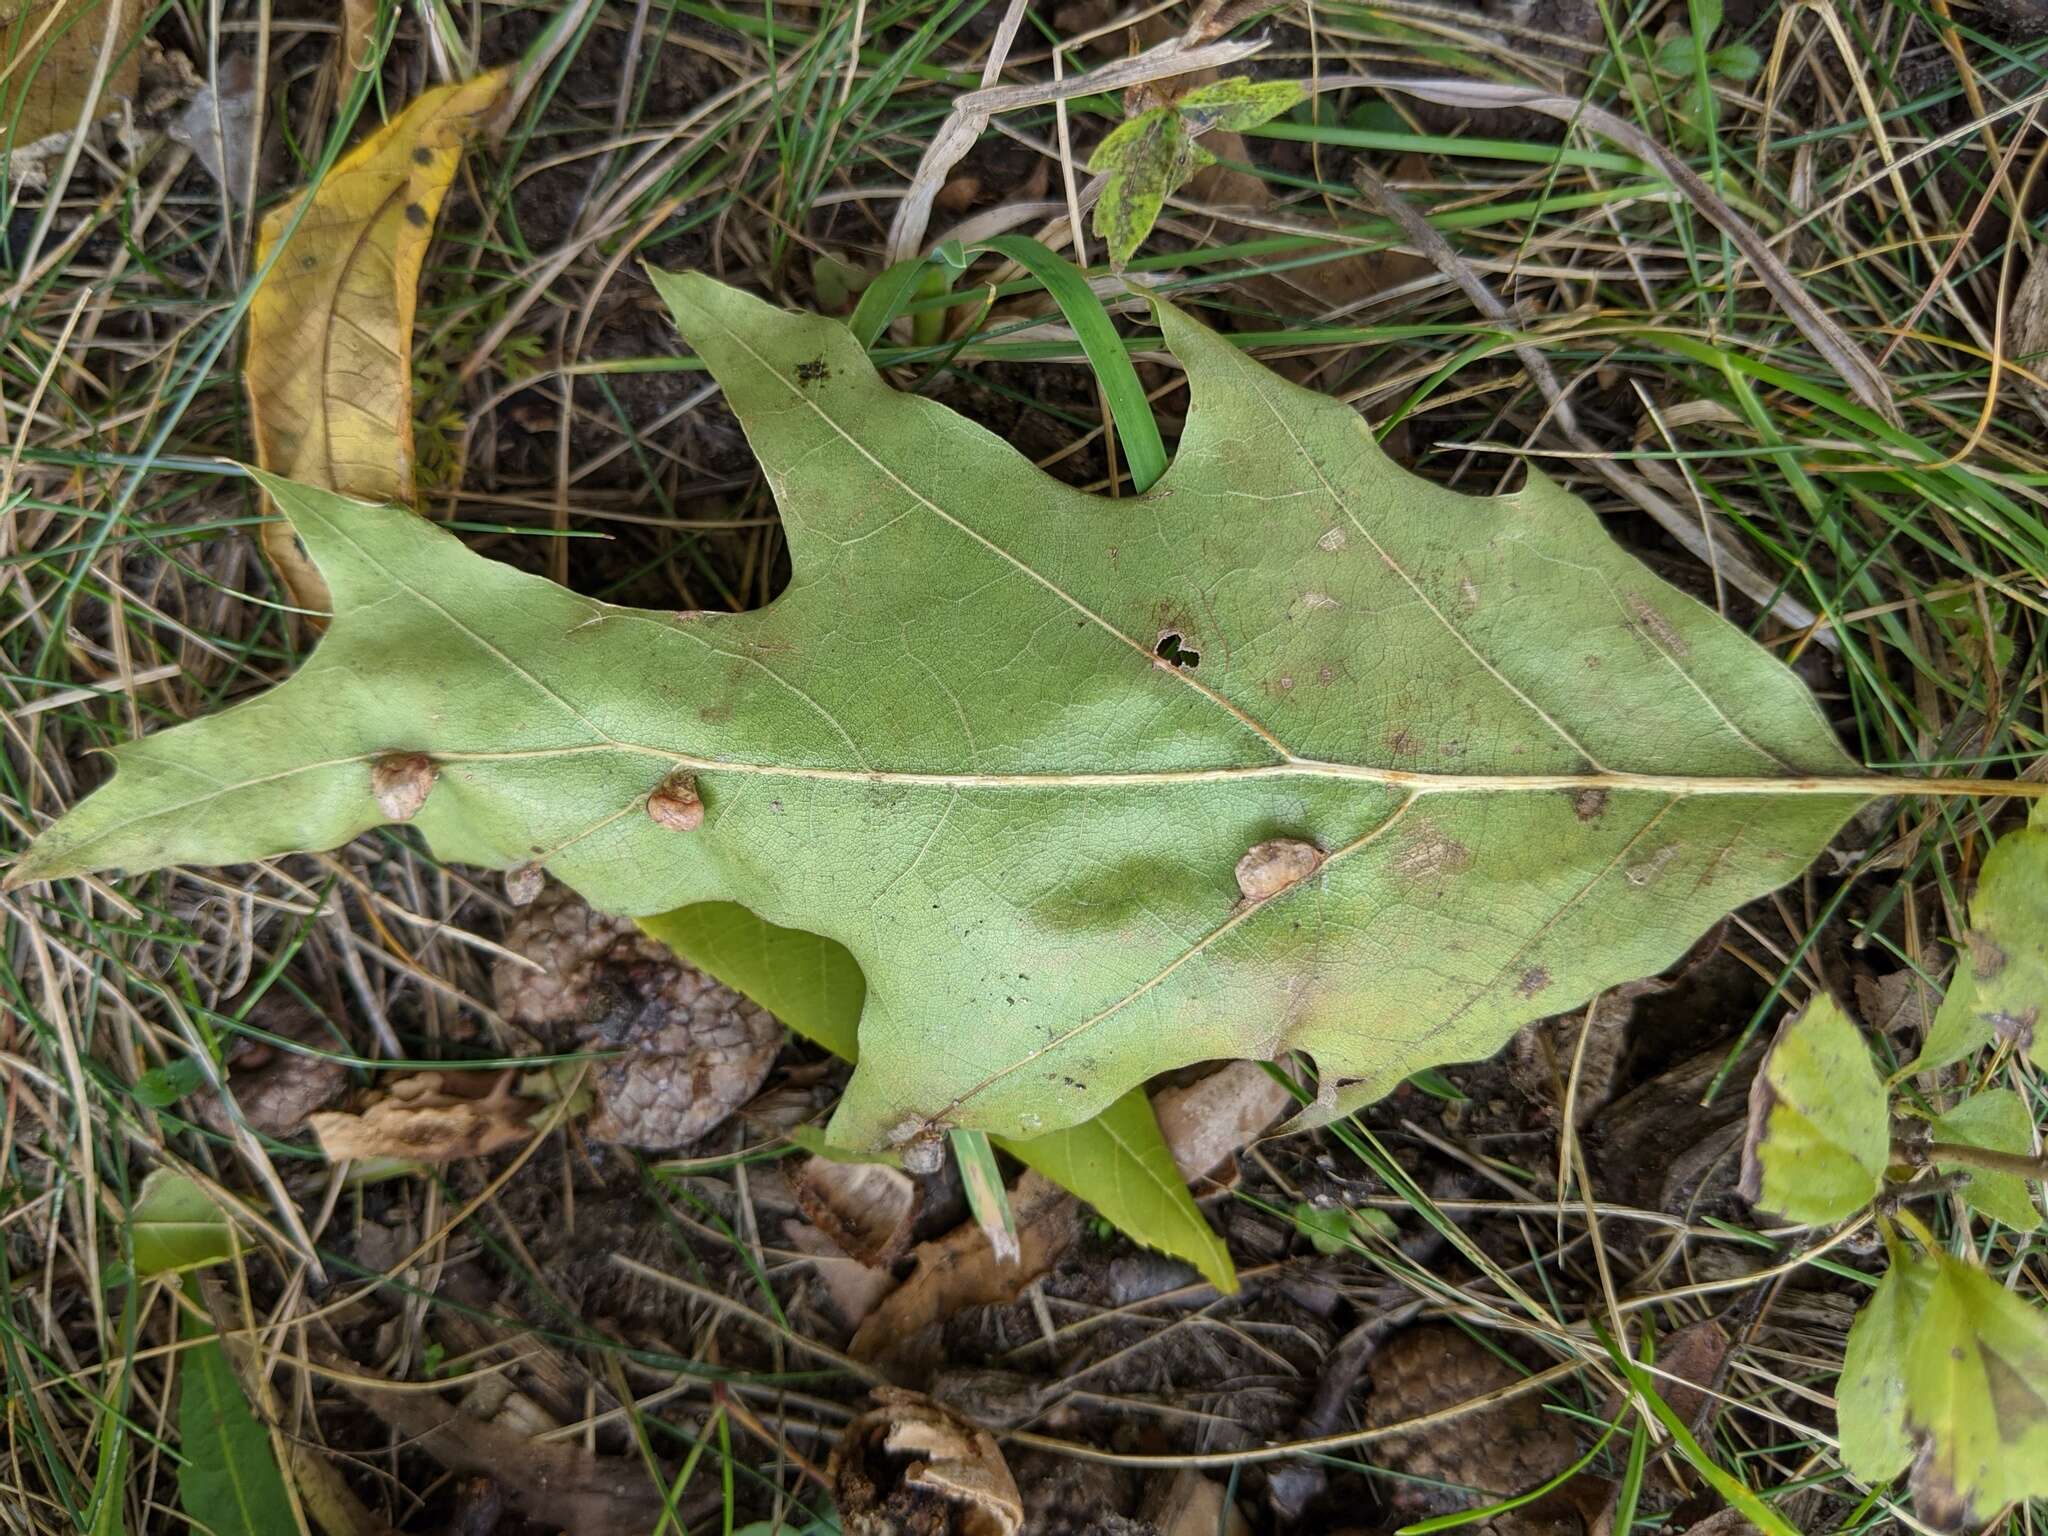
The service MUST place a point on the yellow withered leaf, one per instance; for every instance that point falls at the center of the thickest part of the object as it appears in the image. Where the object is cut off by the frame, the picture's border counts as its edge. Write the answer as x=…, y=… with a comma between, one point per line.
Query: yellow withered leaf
x=329, y=367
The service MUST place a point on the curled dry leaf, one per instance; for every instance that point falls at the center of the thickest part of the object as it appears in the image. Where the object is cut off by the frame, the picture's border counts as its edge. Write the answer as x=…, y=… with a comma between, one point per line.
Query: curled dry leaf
x=431, y=1117
x=865, y=1208
x=329, y=367
x=852, y=1289
x=908, y=1465
x=961, y=1270
x=690, y=1050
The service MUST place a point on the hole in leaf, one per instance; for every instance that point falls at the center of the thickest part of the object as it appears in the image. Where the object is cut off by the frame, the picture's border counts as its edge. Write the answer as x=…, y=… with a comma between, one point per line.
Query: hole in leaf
x=1171, y=650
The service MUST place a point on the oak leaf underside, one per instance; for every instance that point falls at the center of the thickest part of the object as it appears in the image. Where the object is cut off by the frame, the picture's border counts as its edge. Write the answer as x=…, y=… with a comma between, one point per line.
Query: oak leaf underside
x=1008, y=742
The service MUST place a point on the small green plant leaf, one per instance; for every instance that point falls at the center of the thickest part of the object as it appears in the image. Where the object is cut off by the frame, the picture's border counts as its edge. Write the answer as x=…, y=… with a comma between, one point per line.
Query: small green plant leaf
x=1148, y=158
x=228, y=1483
x=161, y=1087
x=1998, y=1121
x=1238, y=103
x=1739, y=62
x=1976, y=1397
x=2006, y=950
x=1117, y=1162
x=175, y=1225
x=1327, y=1227
x=1870, y=1396
x=1819, y=1132
x=2001, y=979
x=1677, y=54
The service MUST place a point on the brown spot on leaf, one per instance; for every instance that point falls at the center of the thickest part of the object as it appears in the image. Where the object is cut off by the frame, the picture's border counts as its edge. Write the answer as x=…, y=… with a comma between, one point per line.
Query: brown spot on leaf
x=676, y=805
x=1985, y=956
x=1650, y=868
x=1272, y=866
x=1402, y=742
x=1652, y=624
x=422, y=156
x=401, y=781
x=416, y=216
x=1431, y=851
x=1589, y=804
x=1534, y=980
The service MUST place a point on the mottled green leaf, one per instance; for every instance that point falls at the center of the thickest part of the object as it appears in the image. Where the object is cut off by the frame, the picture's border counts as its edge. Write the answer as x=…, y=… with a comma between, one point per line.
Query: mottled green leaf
x=1870, y=1396
x=1147, y=158
x=1819, y=1131
x=228, y=1482
x=1118, y=1162
x=1010, y=743
x=175, y=1225
x=1996, y=1119
x=1238, y=103
x=1976, y=1397
x=2006, y=948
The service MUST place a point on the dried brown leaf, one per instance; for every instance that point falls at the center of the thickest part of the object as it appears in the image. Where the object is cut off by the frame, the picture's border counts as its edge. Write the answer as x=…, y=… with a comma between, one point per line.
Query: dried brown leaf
x=865, y=1208
x=896, y=1459
x=431, y=1117
x=961, y=1270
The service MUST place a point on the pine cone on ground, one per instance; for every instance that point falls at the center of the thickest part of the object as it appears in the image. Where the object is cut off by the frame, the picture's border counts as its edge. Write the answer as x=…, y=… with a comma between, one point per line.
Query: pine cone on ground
x=694, y=1050
x=1498, y=1451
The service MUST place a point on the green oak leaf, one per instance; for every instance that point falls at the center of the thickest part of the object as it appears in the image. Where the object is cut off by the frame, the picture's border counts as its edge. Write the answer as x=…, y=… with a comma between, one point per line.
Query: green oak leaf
x=1997, y=1120
x=1819, y=1131
x=1870, y=1396
x=1118, y=1162
x=1976, y=1377
x=1010, y=743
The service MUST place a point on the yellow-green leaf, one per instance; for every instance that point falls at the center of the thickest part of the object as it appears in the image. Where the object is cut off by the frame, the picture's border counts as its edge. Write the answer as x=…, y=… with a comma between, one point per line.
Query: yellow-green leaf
x=2001, y=980
x=175, y=1225
x=1238, y=103
x=1997, y=1120
x=1976, y=1397
x=329, y=367
x=1819, y=1132
x=1870, y=1395
x=1147, y=158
